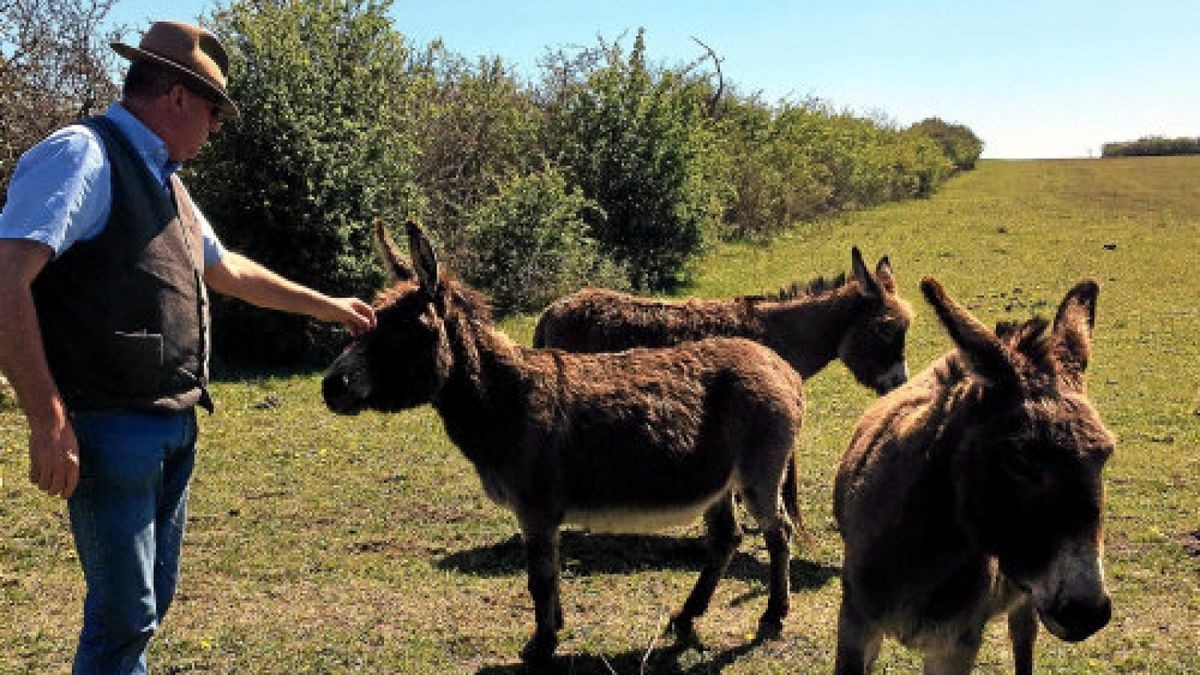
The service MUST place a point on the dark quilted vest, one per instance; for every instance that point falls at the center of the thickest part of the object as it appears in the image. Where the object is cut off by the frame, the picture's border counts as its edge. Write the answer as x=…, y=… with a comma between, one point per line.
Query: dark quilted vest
x=124, y=316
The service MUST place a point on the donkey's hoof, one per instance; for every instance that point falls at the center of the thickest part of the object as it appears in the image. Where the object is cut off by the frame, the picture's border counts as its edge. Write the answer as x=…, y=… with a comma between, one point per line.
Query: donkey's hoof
x=769, y=628
x=539, y=651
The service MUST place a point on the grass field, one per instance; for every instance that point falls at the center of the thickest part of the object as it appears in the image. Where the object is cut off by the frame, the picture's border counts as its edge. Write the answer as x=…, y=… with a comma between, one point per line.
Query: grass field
x=327, y=544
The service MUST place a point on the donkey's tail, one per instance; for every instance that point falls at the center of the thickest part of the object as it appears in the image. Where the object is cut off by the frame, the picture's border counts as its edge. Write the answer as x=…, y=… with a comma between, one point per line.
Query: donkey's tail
x=791, y=503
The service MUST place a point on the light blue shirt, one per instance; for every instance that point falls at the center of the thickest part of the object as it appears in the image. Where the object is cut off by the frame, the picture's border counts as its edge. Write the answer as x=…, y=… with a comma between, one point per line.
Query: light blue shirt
x=61, y=190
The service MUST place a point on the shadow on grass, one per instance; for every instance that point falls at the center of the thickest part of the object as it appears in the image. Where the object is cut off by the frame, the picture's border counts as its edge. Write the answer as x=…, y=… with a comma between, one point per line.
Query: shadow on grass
x=585, y=554
x=680, y=658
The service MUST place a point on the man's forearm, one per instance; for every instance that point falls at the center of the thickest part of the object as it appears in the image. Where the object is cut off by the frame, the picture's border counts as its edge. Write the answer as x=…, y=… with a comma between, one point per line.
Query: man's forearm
x=23, y=359
x=22, y=356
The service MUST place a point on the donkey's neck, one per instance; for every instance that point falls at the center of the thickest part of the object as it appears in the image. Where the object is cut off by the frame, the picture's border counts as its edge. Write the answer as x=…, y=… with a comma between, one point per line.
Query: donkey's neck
x=807, y=331
x=482, y=403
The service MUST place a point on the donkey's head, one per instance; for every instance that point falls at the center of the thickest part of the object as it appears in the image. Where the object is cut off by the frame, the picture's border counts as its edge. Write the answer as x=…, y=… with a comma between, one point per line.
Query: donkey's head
x=1029, y=458
x=873, y=346
x=405, y=360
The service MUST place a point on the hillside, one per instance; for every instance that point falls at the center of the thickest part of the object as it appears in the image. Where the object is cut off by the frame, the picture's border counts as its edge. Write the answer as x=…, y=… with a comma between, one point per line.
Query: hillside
x=327, y=544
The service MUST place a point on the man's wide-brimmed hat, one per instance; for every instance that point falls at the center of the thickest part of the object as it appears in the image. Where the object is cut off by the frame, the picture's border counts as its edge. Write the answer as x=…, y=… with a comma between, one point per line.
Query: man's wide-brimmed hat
x=191, y=51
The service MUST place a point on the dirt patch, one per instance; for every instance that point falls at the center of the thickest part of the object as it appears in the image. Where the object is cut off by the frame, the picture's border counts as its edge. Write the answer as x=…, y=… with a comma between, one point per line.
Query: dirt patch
x=1190, y=541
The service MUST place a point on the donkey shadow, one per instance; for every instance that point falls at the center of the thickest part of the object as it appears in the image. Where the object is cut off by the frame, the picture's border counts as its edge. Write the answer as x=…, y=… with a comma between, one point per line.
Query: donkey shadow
x=586, y=553
x=671, y=659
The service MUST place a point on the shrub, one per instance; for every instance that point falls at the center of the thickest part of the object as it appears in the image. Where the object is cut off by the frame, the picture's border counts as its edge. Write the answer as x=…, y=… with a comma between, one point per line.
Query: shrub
x=1152, y=146
x=53, y=70
x=475, y=125
x=957, y=141
x=531, y=245
x=629, y=137
x=317, y=154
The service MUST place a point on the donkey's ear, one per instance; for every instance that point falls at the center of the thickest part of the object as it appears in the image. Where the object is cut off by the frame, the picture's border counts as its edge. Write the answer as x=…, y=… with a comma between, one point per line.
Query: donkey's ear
x=884, y=275
x=1072, y=332
x=424, y=259
x=984, y=354
x=866, y=282
x=393, y=261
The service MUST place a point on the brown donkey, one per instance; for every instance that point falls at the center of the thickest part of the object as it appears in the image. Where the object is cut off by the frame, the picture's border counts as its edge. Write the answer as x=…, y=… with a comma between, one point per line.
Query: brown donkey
x=975, y=490
x=862, y=321
x=623, y=442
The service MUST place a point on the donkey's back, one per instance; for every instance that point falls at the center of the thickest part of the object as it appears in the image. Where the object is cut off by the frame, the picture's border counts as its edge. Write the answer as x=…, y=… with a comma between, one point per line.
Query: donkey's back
x=601, y=320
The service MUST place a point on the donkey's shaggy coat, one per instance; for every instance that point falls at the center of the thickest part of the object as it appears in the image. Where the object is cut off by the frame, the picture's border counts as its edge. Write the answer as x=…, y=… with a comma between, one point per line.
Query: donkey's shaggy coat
x=628, y=441
x=974, y=490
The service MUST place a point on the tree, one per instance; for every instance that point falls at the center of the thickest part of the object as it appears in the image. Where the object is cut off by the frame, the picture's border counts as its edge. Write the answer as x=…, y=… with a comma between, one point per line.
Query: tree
x=318, y=153
x=55, y=66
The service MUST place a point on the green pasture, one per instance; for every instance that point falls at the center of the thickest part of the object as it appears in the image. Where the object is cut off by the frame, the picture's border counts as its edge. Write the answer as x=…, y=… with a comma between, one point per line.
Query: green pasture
x=327, y=544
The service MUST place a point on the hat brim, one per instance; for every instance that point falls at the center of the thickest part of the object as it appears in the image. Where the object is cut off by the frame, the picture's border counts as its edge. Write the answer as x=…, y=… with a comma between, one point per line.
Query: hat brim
x=197, y=81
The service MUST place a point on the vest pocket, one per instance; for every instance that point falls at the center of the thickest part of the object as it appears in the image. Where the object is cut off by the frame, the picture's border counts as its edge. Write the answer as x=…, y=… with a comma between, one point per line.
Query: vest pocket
x=138, y=358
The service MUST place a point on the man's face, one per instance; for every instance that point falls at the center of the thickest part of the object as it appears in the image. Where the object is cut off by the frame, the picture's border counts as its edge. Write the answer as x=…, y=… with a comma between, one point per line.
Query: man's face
x=193, y=117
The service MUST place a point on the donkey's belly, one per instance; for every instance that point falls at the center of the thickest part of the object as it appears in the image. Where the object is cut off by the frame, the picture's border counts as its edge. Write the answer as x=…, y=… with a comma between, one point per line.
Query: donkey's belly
x=641, y=518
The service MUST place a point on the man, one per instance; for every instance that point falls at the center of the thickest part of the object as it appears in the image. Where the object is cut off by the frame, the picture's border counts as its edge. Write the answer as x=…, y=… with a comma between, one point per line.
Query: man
x=104, y=262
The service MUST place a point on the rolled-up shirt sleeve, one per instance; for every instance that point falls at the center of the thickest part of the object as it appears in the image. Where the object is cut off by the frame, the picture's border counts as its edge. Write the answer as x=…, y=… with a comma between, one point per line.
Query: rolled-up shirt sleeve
x=213, y=250
x=59, y=192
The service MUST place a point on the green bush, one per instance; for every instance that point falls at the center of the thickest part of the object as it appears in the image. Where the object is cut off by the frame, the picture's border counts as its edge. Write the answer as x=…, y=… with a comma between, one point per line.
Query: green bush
x=475, y=125
x=1152, y=146
x=799, y=160
x=957, y=141
x=324, y=87
x=530, y=244
x=630, y=138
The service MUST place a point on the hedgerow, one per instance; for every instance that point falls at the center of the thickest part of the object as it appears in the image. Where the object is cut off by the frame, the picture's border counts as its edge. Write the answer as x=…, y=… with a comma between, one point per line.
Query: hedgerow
x=607, y=168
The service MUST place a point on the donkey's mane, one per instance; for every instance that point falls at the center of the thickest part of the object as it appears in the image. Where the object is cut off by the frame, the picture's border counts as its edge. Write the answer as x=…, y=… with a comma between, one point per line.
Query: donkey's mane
x=1028, y=338
x=470, y=302
x=797, y=290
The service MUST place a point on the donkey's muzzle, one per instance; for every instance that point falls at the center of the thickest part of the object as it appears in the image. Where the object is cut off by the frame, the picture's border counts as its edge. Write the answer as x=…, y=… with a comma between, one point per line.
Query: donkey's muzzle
x=894, y=377
x=1074, y=619
x=339, y=395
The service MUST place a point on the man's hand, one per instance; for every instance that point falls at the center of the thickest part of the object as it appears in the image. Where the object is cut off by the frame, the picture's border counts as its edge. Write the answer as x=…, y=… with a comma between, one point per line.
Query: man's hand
x=357, y=316
x=54, y=458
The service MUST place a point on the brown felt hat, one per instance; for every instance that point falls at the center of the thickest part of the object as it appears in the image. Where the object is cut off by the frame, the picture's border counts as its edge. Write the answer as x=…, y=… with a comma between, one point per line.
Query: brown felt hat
x=193, y=52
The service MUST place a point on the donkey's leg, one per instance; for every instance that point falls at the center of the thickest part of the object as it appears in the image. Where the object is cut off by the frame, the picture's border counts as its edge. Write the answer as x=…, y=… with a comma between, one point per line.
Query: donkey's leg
x=1023, y=630
x=722, y=538
x=763, y=502
x=778, y=602
x=541, y=564
x=858, y=639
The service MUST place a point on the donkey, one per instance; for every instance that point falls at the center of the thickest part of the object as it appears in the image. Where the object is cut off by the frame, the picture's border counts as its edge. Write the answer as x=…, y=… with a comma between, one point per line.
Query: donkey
x=862, y=322
x=634, y=441
x=976, y=490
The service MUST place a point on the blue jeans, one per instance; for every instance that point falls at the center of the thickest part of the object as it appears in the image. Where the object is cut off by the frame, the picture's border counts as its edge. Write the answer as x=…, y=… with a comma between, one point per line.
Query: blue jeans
x=127, y=515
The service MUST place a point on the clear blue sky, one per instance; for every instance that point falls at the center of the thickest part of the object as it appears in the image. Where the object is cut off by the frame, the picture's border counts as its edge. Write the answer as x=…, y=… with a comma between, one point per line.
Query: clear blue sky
x=1051, y=78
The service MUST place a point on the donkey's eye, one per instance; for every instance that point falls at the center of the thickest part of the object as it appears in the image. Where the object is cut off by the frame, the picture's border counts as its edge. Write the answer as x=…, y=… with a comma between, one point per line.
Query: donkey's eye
x=884, y=331
x=1021, y=465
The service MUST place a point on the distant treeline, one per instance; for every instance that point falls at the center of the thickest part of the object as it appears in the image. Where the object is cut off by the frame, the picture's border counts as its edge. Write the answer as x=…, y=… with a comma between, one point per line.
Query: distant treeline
x=1152, y=146
x=608, y=169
